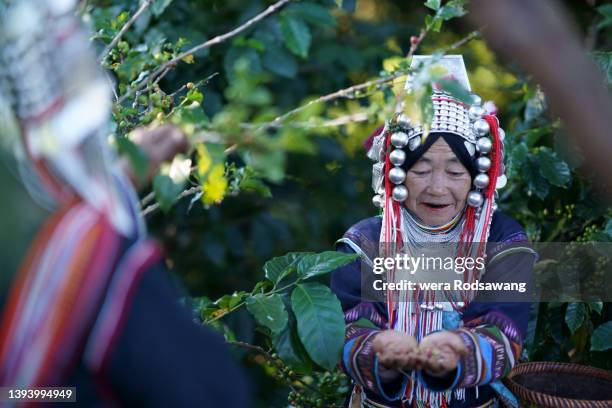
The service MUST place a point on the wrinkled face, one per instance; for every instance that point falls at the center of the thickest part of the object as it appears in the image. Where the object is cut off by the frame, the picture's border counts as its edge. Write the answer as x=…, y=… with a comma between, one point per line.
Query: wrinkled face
x=437, y=184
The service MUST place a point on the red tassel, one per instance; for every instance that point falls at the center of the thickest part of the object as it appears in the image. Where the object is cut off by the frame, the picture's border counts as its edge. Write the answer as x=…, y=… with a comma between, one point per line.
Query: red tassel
x=496, y=155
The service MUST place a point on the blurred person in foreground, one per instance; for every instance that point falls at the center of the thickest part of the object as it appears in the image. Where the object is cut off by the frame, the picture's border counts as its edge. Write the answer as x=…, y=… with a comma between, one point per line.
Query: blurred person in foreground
x=437, y=192
x=93, y=305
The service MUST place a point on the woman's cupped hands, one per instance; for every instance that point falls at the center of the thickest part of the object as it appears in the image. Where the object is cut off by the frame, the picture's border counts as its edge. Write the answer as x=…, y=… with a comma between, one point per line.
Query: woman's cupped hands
x=438, y=353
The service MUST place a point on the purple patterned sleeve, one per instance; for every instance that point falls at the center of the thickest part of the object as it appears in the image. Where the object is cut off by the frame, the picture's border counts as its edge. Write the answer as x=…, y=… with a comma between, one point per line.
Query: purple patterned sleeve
x=359, y=360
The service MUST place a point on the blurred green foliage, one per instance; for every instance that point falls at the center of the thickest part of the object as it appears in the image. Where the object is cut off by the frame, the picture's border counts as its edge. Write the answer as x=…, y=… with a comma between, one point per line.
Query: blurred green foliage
x=268, y=178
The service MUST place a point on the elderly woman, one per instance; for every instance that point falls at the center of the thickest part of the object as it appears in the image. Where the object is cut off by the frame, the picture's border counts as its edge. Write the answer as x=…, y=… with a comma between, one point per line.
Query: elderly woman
x=409, y=349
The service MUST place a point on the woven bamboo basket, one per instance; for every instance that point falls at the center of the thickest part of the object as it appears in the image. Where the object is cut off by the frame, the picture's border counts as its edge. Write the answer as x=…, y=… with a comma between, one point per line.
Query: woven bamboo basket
x=560, y=385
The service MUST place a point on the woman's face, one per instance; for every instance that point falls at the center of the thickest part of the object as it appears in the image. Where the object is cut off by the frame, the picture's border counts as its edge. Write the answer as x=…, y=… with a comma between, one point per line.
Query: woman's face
x=437, y=184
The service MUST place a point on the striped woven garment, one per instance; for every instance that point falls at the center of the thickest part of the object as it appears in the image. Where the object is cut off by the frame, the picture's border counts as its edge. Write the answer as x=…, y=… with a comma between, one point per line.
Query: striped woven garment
x=76, y=266
x=71, y=294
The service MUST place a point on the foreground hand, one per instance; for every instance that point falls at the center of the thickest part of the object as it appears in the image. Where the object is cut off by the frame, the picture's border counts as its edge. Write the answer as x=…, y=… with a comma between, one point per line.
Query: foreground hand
x=396, y=350
x=441, y=352
x=160, y=144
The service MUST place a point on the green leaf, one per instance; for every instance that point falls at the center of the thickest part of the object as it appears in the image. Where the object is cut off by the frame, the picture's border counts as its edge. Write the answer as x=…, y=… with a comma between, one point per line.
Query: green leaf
x=289, y=348
x=296, y=140
x=606, y=22
x=450, y=11
x=322, y=263
x=433, y=4
x=269, y=311
x=256, y=185
x=534, y=135
x=535, y=106
x=280, y=62
x=516, y=159
x=159, y=6
x=347, y=5
x=602, y=337
x=596, y=307
x=604, y=61
x=605, y=10
x=608, y=228
x=555, y=170
x=312, y=13
x=320, y=322
x=270, y=164
x=296, y=34
x=170, y=181
x=280, y=267
x=457, y=90
x=139, y=162
x=433, y=23
x=191, y=114
x=555, y=320
x=241, y=61
x=574, y=316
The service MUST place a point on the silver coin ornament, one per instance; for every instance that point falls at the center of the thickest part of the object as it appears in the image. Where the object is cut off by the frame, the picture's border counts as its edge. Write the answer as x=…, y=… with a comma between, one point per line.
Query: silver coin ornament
x=481, y=180
x=414, y=143
x=481, y=127
x=397, y=157
x=399, y=139
x=476, y=100
x=501, y=181
x=483, y=163
x=377, y=200
x=475, y=199
x=470, y=147
x=502, y=134
x=400, y=193
x=403, y=120
x=484, y=145
x=397, y=175
x=475, y=112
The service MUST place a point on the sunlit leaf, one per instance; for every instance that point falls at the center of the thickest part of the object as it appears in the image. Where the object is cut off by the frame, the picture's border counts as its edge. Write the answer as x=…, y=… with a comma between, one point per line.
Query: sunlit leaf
x=170, y=181
x=319, y=264
x=278, y=268
x=433, y=4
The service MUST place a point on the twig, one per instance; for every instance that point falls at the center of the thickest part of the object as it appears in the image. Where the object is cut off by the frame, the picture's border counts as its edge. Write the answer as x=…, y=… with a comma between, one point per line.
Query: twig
x=342, y=93
x=339, y=121
x=215, y=41
x=416, y=41
x=117, y=38
x=198, y=84
x=272, y=359
x=464, y=40
x=251, y=347
x=147, y=199
x=154, y=207
x=190, y=191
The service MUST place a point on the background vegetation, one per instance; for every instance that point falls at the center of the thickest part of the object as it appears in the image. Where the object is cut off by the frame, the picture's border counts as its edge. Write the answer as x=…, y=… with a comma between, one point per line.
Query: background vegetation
x=278, y=114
